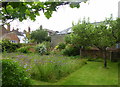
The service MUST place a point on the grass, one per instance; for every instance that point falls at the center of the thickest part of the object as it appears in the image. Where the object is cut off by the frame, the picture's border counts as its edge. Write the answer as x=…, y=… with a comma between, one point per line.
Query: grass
x=92, y=73
x=48, y=68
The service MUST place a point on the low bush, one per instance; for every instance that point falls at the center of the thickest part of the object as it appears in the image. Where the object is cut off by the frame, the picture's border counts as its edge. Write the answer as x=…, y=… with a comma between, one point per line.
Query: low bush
x=7, y=46
x=13, y=74
x=70, y=50
x=24, y=49
x=41, y=49
x=47, y=44
x=60, y=46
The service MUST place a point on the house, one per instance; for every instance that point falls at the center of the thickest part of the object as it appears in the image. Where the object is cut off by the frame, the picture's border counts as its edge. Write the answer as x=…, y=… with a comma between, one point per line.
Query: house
x=14, y=36
x=11, y=37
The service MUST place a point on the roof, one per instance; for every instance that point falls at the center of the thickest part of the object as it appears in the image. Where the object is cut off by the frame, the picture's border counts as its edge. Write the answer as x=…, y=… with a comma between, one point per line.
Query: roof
x=18, y=33
x=69, y=30
x=66, y=31
x=11, y=36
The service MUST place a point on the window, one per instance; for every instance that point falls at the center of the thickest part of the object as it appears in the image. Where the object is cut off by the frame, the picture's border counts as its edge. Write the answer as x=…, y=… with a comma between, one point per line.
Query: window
x=13, y=41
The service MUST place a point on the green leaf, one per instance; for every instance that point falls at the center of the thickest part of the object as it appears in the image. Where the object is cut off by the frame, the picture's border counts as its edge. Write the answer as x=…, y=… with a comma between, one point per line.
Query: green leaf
x=48, y=14
x=27, y=11
x=74, y=4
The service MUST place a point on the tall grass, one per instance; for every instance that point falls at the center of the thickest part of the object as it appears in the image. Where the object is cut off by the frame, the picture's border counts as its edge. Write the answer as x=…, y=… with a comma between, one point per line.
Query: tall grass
x=47, y=68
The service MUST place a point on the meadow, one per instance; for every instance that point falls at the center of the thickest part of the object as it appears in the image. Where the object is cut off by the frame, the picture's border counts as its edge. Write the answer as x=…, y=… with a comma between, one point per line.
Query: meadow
x=47, y=68
x=63, y=70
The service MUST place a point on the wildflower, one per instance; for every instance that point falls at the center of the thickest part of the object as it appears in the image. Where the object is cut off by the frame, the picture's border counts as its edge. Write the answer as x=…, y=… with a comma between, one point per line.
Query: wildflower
x=25, y=66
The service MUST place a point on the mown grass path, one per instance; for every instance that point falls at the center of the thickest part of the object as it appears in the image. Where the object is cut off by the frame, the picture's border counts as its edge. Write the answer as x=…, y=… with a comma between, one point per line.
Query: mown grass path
x=92, y=73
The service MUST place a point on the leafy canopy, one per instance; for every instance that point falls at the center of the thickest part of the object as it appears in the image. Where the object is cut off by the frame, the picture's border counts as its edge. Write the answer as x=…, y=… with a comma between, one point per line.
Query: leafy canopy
x=102, y=35
x=40, y=35
x=24, y=10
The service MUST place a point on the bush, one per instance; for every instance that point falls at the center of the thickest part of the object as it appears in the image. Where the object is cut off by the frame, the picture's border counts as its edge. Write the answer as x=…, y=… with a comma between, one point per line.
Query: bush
x=13, y=74
x=60, y=46
x=71, y=50
x=41, y=49
x=47, y=45
x=24, y=49
x=7, y=46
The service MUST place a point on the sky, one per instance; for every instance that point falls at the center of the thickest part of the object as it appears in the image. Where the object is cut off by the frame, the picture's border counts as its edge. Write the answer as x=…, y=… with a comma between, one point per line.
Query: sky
x=96, y=10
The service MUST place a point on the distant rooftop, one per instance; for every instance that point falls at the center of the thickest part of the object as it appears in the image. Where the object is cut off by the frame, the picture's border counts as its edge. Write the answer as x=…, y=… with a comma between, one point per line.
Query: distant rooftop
x=69, y=30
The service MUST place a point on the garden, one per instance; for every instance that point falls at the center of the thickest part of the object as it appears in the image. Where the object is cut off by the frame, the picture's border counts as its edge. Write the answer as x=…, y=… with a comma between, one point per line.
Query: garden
x=39, y=65
x=24, y=64
x=59, y=66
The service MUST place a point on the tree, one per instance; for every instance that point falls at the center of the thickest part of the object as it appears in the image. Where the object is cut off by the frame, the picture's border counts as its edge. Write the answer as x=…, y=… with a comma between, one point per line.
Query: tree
x=103, y=39
x=24, y=10
x=81, y=36
x=102, y=35
x=40, y=35
x=114, y=26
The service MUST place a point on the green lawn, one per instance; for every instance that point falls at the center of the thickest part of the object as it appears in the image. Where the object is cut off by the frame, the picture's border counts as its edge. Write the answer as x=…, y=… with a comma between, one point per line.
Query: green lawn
x=92, y=73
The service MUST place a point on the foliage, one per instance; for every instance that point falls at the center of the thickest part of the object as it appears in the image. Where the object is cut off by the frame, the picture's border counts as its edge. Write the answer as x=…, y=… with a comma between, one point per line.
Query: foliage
x=7, y=46
x=71, y=50
x=41, y=49
x=24, y=10
x=67, y=39
x=13, y=74
x=82, y=34
x=102, y=35
x=51, y=69
x=60, y=46
x=40, y=35
x=47, y=44
x=114, y=26
x=47, y=67
x=24, y=49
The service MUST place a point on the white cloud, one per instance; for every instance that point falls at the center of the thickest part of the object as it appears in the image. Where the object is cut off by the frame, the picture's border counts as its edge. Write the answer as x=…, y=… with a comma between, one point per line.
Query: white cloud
x=96, y=10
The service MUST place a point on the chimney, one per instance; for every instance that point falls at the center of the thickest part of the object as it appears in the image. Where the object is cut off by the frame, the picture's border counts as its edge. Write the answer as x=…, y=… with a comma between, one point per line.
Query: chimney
x=29, y=29
x=13, y=29
x=8, y=27
x=41, y=27
x=119, y=9
x=17, y=29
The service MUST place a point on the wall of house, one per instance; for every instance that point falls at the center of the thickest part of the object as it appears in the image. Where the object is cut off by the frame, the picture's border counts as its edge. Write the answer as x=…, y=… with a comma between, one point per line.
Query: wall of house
x=56, y=39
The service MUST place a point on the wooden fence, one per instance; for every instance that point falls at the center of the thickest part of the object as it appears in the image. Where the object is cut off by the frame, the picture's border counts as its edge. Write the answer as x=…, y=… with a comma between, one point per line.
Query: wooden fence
x=112, y=55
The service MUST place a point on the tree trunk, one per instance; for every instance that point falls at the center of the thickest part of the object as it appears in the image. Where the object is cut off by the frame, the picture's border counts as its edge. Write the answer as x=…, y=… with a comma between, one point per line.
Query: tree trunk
x=105, y=59
x=80, y=52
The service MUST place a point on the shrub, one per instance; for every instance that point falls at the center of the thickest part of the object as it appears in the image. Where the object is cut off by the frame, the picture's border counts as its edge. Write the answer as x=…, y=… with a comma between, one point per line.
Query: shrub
x=70, y=50
x=24, y=49
x=60, y=46
x=47, y=44
x=13, y=74
x=7, y=46
x=48, y=48
x=41, y=49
